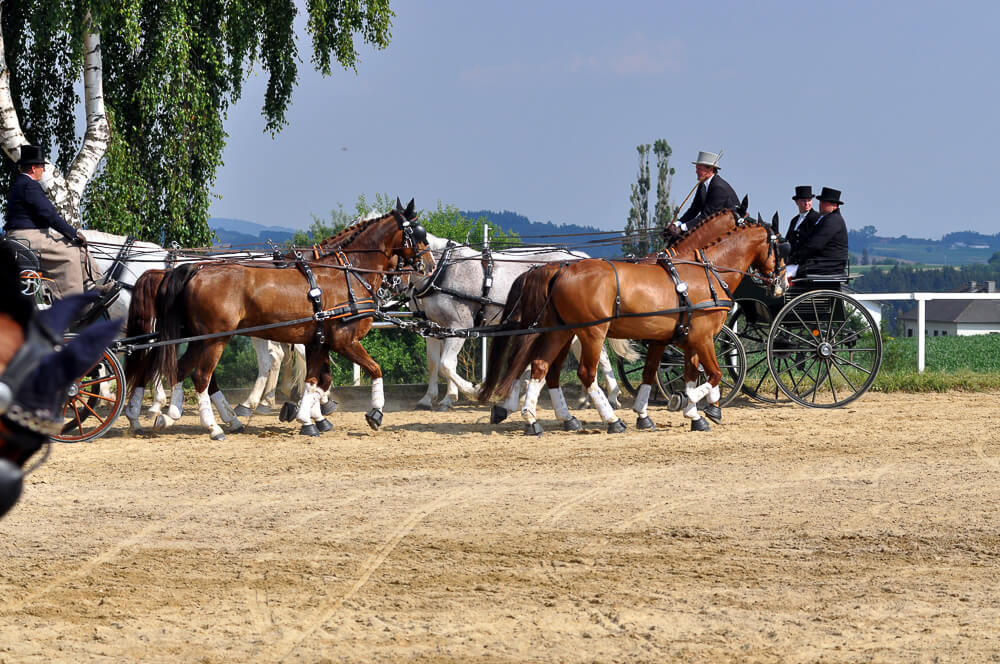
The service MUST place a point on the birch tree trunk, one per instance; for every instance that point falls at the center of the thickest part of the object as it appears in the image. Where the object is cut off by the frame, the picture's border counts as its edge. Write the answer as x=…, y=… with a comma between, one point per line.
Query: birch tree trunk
x=66, y=191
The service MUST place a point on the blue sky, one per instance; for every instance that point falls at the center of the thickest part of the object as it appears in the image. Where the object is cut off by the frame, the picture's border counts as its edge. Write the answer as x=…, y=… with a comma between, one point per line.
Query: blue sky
x=537, y=107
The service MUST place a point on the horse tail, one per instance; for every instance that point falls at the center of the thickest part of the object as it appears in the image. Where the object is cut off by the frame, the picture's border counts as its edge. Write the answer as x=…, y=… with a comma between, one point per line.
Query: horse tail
x=171, y=314
x=142, y=321
x=510, y=354
x=624, y=349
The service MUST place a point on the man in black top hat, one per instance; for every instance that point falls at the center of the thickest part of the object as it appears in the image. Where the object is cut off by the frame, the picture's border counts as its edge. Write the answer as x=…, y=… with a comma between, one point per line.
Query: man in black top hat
x=33, y=219
x=803, y=222
x=821, y=247
x=713, y=194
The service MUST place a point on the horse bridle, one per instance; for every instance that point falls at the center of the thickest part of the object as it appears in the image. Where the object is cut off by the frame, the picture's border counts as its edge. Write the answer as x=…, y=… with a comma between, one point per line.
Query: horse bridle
x=414, y=235
x=776, y=245
x=25, y=427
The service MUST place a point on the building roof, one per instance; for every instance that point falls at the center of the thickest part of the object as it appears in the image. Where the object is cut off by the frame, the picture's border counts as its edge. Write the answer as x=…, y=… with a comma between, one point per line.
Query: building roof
x=958, y=311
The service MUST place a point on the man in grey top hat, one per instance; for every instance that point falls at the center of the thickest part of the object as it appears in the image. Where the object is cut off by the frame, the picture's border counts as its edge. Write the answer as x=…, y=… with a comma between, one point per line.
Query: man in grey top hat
x=33, y=219
x=713, y=194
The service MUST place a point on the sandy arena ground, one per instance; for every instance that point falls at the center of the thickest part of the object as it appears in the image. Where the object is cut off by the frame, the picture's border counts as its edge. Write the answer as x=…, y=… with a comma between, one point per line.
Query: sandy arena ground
x=867, y=533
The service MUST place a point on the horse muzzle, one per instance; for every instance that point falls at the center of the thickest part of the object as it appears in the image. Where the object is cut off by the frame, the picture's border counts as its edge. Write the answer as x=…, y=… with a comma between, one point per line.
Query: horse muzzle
x=11, y=483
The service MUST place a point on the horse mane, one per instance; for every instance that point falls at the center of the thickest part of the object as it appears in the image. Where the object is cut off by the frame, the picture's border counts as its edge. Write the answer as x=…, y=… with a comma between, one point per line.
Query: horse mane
x=347, y=235
x=711, y=232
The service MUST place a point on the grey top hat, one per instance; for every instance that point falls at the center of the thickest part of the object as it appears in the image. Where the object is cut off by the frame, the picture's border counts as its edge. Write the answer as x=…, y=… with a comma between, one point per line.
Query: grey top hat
x=30, y=154
x=707, y=159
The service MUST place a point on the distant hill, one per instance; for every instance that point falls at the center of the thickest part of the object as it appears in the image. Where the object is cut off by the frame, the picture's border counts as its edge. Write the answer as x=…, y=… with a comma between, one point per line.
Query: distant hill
x=535, y=232
x=237, y=232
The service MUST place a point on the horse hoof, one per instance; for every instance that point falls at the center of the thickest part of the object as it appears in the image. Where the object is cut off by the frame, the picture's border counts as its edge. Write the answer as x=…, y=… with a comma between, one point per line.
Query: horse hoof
x=160, y=422
x=288, y=412
x=328, y=407
x=218, y=436
x=309, y=430
x=374, y=418
x=645, y=424
x=444, y=407
x=498, y=414
x=323, y=425
x=572, y=424
x=236, y=427
x=616, y=427
x=700, y=425
x=261, y=410
x=424, y=406
x=713, y=413
x=242, y=411
x=677, y=402
x=533, y=429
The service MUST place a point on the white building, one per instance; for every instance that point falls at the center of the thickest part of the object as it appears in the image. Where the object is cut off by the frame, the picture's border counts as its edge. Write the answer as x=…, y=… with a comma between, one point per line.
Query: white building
x=946, y=318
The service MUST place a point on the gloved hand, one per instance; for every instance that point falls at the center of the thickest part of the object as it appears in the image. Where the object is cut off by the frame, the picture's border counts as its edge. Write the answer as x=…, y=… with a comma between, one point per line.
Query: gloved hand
x=80, y=240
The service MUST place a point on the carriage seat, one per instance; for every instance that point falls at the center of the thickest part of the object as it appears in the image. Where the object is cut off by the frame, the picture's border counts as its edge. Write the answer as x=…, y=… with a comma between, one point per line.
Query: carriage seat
x=817, y=281
x=25, y=257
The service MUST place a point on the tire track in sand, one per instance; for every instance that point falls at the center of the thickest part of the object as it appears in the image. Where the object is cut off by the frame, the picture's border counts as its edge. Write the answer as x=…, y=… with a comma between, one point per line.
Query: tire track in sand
x=283, y=648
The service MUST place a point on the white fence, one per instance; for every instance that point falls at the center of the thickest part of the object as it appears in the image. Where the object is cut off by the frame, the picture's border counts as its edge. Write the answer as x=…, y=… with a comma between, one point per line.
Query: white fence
x=922, y=299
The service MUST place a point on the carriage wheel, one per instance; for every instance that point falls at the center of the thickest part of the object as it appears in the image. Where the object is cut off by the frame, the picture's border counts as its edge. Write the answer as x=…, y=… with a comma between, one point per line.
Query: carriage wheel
x=95, y=402
x=732, y=360
x=824, y=349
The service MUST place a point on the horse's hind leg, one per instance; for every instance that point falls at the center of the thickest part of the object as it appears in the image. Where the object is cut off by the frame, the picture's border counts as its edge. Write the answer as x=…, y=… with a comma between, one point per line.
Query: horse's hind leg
x=641, y=403
x=433, y=359
x=207, y=360
x=556, y=396
x=551, y=349
x=592, y=342
x=226, y=411
x=268, y=358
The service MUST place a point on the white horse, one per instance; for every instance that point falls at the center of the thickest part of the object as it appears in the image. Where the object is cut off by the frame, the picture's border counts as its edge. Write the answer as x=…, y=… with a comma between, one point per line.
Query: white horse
x=468, y=288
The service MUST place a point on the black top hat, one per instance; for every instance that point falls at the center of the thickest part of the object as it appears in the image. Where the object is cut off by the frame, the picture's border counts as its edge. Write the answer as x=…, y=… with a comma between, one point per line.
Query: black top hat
x=830, y=196
x=30, y=154
x=803, y=191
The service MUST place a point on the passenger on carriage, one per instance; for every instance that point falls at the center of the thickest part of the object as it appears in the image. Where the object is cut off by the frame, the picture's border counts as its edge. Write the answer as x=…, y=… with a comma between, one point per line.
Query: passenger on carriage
x=33, y=219
x=806, y=218
x=820, y=247
x=714, y=194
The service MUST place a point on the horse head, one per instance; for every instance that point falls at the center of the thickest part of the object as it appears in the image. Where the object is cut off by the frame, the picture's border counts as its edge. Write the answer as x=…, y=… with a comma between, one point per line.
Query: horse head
x=413, y=247
x=36, y=373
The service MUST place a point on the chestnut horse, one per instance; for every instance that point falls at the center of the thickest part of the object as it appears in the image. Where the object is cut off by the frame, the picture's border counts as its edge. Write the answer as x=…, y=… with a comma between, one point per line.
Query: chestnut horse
x=347, y=269
x=682, y=299
x=37, y=372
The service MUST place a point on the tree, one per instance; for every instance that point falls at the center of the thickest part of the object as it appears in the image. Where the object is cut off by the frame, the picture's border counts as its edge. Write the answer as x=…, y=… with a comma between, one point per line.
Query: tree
x=641, y=237
x=168, y=71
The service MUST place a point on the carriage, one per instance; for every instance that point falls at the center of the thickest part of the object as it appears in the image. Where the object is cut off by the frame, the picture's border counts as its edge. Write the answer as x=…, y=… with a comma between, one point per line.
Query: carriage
x=815, y=345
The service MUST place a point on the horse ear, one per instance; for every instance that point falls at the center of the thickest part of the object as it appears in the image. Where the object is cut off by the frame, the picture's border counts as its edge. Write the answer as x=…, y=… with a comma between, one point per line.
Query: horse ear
x=409, y=209
x=399, y=204
x=760, y=220
x=744, y=204
x=775, y=223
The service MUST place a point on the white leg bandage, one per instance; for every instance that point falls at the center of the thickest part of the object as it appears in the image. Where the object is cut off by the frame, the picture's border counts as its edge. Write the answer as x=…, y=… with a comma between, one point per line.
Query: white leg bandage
x=642, y=400
x=225, y=410
x=600, y=402
x=695, y=393
x=531, y=400
x=378, y=394
x=559, y=404
x=176, y=408
x=513, y=400
x=714, y=394
x=306, y=404
x=207, y=417
x=159, y=398
x=134, y=406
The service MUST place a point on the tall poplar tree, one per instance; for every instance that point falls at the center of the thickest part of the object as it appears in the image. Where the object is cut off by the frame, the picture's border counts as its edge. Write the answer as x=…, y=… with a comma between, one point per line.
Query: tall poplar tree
x=643, y=234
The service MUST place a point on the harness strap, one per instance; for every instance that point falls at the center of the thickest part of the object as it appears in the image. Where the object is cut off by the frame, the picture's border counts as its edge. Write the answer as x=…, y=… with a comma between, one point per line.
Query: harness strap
x=315, y=295
x=683, y=327
x=487, y=261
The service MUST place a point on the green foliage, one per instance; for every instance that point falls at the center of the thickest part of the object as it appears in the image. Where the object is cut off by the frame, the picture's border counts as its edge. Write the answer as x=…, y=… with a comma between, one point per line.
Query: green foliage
x=446, y=221
x=400, y=354
x=642, y=233
x=172, y=68
x=237, y=367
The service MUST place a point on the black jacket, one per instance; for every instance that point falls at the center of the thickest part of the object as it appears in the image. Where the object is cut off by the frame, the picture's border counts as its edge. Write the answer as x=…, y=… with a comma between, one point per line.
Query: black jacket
x=28, y=207
x=802, y=228
x=718, y=196
x=821, y=248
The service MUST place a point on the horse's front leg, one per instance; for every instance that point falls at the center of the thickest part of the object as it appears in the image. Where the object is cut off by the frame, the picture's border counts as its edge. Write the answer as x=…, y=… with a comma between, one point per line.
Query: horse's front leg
x=202, y=379
x=449, y=369
x=159, y=398
x=317, y=378
x=592, y=342
x=356, y=353
x=268, y=359
x=641, y=403
x=695, y=354
x=433, y=361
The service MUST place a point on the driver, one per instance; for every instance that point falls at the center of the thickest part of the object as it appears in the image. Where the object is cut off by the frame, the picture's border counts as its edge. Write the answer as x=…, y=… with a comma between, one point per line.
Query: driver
x=33, y=219
x=820, y=247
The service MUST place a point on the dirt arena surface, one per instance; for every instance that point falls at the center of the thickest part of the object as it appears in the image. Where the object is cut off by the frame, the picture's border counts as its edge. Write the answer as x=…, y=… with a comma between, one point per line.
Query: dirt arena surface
x=867, y=533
